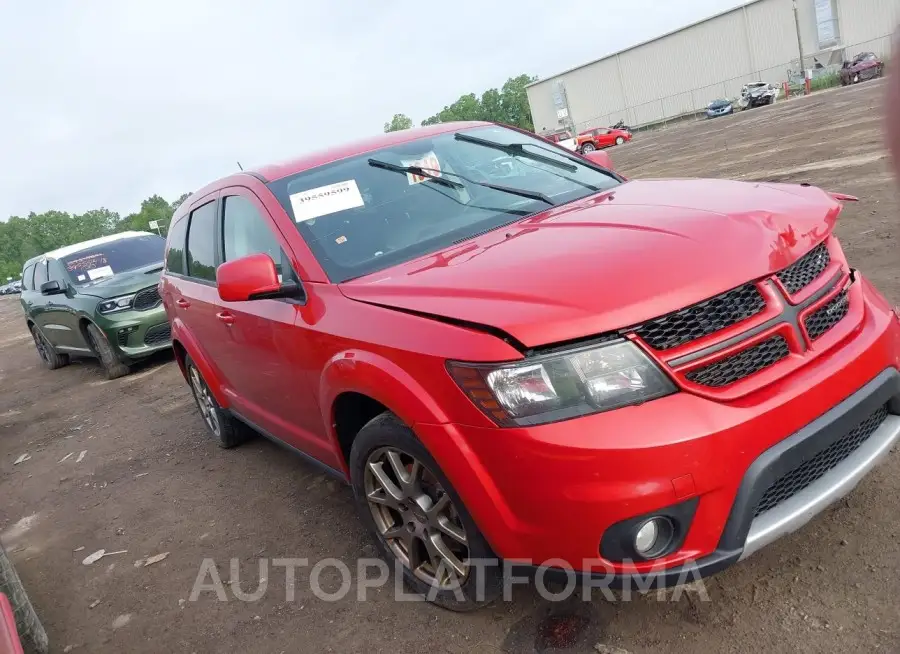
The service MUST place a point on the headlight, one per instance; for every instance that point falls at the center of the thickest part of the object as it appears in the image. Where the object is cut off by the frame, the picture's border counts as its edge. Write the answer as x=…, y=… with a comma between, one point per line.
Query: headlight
x=116, y=304
x=563, y=385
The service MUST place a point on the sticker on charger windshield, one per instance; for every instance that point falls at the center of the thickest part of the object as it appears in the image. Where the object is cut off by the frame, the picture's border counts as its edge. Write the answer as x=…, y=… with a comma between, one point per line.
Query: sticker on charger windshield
x=97, y=273
x=429, y=163
x=324, y=200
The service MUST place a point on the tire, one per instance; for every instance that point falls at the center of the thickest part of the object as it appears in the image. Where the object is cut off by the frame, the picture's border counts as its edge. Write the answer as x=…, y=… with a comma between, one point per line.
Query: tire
x=587, y=147
x=619, y=140
x=377, y=440
x=108, y=359
x=227, y=430
x=48, y=354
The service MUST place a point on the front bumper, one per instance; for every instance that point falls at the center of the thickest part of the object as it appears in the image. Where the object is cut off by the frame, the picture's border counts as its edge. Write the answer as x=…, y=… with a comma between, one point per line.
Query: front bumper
x=549, y=493
x=137, y=334
x=715, y=113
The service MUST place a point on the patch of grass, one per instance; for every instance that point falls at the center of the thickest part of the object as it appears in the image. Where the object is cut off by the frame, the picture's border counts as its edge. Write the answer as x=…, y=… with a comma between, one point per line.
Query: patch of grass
x=825, y=81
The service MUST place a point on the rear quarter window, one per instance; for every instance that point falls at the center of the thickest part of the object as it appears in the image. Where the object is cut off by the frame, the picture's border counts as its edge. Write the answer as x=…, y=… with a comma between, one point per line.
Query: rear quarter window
x=175, y=252
x=201, y=254
x=27, y=277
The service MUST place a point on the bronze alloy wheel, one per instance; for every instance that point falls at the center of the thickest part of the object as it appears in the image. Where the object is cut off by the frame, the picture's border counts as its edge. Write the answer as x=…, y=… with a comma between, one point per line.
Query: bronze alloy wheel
x=416, y=518
x=205, y=401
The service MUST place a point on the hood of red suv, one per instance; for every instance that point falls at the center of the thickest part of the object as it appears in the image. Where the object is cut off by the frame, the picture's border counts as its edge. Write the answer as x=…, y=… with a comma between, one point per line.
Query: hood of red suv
x=611, y=260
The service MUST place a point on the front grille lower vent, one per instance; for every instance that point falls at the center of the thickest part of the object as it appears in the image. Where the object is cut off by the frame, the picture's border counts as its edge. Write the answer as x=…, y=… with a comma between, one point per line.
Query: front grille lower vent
x=814, y=468
x=703, y=318
x=741, y=365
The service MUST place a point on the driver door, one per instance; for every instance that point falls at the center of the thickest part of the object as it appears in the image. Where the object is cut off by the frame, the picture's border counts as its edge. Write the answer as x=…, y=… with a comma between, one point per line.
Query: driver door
x=265, y=354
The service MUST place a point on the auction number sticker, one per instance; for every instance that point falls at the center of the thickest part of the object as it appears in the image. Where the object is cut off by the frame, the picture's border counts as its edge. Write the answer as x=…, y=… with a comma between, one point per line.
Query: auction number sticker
x=325, y=200
x=430, y=163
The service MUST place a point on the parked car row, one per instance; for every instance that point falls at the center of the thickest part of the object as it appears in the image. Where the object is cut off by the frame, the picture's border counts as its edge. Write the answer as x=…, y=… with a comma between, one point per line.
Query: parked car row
x=683, y=371
x=13, y=288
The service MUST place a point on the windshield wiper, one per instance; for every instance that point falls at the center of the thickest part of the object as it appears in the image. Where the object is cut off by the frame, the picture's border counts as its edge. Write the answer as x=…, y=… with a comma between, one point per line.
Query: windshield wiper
x=415, y=170
x=517, y=150
x=429, y=173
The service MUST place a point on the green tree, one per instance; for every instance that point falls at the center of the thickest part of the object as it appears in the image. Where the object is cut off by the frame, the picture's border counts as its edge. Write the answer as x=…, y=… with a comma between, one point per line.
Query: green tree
x=398, y=122
x=509, y=105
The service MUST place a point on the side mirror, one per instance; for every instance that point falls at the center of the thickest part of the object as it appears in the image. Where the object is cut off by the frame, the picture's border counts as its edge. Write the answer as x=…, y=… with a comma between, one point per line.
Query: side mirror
x=601, y=158
x=52, y=288
x=250, y=278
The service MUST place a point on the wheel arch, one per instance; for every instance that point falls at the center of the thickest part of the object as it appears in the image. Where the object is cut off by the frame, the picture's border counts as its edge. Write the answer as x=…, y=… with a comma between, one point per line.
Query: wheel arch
x=355, y=386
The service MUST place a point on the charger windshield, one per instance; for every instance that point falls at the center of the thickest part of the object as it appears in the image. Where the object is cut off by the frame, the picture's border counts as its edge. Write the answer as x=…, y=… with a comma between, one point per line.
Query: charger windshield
x=391, y=205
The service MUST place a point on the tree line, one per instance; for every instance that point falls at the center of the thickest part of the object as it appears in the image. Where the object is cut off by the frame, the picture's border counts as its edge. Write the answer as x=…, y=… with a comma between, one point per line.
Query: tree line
x=508, y=105
x=37, y=233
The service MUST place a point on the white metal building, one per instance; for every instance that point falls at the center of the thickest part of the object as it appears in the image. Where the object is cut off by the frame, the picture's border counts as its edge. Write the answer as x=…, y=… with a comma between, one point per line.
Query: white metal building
x=681, y=72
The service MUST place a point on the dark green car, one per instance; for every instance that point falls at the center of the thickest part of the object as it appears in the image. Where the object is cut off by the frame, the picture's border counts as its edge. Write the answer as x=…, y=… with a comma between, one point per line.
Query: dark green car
x=98, y=298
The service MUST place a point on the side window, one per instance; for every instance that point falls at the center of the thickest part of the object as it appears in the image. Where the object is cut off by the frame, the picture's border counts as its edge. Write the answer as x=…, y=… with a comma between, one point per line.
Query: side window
x=201, y=254
x=175, y=253
x=56, y=273
x=27, y=277
x=40, y=274
x=246, y=232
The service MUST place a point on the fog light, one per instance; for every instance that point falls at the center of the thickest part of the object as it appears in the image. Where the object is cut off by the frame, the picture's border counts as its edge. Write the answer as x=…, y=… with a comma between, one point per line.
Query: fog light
x=646, y=537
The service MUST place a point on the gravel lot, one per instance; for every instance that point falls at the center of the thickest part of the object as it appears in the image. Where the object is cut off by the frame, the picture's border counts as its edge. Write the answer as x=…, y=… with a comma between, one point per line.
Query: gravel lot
x=151, y=482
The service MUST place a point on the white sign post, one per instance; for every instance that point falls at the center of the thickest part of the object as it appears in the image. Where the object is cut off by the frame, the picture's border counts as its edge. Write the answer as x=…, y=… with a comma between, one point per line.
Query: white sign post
x=154, y=224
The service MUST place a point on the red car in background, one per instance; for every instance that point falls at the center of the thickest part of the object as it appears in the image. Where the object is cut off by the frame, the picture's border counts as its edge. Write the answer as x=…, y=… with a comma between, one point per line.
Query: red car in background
x=644, y=381
x=601, y=137
x=866, y=65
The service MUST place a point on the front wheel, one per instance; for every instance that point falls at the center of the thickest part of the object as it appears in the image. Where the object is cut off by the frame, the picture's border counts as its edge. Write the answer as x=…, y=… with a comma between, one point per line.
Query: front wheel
x=620, y=140
x=108, y=359
x=418, y=520
x=587, y=147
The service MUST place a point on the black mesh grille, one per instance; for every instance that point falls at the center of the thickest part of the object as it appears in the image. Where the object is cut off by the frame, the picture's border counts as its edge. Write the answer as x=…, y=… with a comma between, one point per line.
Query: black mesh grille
x=812, y=469
x=122, y=338
x=828, y=316
x=158, y=334
x=743, y=364
x=802, y=272
x=703, y=318
x=147, y=299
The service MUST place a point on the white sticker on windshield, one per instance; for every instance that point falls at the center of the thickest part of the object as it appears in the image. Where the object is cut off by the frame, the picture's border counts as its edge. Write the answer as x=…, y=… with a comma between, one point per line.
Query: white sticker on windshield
x=429, y=163
x=325, y=200
x=97, y=273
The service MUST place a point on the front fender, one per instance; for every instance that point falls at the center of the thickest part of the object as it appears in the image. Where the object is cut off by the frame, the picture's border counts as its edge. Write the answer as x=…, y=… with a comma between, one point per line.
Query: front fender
x=381, y=379
x=182, y=335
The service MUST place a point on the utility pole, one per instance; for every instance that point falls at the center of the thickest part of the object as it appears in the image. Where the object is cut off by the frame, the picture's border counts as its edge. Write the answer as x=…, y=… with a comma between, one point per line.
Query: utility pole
x=799, y=38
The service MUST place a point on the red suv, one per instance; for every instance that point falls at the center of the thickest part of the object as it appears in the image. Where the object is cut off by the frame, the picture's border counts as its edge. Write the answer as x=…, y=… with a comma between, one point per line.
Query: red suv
x=509, y=350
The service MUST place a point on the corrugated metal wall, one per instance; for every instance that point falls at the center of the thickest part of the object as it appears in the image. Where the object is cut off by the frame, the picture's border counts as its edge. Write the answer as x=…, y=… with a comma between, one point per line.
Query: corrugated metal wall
x=866, y=23
x=683, y=71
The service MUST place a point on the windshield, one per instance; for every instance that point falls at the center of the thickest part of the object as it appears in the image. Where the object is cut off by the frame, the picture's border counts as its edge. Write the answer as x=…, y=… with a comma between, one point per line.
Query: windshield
x=108, y=259
x=360, y=217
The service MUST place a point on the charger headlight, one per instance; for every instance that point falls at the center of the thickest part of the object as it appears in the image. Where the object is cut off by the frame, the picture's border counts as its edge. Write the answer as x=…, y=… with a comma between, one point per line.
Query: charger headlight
x=563, y=385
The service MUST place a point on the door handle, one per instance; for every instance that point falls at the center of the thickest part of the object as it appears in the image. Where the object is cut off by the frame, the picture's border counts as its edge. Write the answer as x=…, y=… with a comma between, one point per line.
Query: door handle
x=225, y=317
x=184, y=304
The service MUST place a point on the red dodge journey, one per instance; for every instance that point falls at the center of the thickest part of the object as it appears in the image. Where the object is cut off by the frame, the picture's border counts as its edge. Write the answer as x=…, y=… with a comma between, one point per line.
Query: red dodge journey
x=512, y=353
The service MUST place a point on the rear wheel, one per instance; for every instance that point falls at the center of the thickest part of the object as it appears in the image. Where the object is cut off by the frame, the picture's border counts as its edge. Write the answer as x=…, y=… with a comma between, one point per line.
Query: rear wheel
x=227, y=430
x=49, y=356
x=587, y=147
x=418, y=520
x=113, y=367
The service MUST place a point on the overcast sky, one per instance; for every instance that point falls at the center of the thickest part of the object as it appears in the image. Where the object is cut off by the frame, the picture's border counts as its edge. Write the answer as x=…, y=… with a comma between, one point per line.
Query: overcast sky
x=103, y=103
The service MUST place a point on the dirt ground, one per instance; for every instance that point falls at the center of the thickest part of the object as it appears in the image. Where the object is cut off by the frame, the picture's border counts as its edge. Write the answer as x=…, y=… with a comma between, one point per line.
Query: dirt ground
x=150, y=481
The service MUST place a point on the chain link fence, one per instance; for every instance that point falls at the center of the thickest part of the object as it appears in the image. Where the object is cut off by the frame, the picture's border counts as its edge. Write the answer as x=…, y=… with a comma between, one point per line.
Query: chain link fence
x=691, y=105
